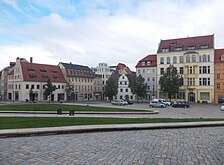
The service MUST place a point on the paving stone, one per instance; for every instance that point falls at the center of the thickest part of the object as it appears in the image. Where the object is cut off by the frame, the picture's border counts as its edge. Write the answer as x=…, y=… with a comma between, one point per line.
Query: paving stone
x=167, y=146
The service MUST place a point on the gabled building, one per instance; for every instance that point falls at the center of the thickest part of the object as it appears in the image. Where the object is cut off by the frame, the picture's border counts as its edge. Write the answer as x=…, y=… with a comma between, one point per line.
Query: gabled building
x=82, y=78
x=27, y=81
x=194, y=59
x=146, y=67
x=122, y=77
x=219, y=76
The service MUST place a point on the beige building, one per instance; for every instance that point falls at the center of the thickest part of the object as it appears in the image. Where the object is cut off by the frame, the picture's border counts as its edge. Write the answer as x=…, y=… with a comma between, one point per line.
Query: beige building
x=81, y=78
x=194, y=59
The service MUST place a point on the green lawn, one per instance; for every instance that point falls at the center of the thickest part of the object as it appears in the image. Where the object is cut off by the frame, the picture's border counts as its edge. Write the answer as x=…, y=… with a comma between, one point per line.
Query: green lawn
x=54, y=107
x=38, y=122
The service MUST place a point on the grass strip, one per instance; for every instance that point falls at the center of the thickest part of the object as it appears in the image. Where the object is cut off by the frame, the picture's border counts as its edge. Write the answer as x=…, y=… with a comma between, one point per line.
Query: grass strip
x=64, y=107
x=38, y=122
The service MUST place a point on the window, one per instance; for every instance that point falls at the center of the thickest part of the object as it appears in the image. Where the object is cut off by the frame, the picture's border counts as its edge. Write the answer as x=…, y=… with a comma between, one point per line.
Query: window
x=204, y=58
x=165, y=50
x=174, y=60
x=161, y=60
x=190, y=70
x=204, y=46
x=177, y=48
x=208, y=69
x=204, y=96
x=208, y=58
x=58, y=86
x=153, y=79
x=168, y=60
x=218, y=76
x=162, y=71
x=218, y=86
x=38, y=86
x=193, y=58
x=126, y=90
x=181, y=70
x=191, y=47
x=27, y=86
x=217, y=67
x=204, y=69
x=204, y=81
x=188, y=58
x=181, y=59
x=32, y=86
x=121, y=90
x=148, y=71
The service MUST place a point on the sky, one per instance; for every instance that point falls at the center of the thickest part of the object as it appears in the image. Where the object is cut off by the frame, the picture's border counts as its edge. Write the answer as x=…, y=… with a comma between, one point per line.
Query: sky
x=87, y=32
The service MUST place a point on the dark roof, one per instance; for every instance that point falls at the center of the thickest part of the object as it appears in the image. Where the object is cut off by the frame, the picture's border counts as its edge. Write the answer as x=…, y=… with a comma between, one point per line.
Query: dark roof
x=199, y=42
x=75, y=66
x=151, y=58
x=41, y=72
x=218, y=54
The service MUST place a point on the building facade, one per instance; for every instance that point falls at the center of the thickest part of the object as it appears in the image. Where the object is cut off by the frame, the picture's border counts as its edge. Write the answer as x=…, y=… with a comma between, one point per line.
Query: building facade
x=219, y=76
x=194, y=59
x=98, y=87
x=146, y=67
x=27, y=82
x=81, y=78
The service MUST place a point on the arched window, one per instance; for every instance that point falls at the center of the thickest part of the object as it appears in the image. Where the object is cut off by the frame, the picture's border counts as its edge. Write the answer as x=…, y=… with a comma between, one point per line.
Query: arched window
x=168, y=60
x=174, y=60
x=161, y=60
x=193, y=58
x=181, y=59
x=188, y=58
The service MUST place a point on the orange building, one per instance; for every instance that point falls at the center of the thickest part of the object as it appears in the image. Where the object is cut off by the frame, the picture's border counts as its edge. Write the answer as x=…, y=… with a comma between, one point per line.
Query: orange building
x=219, y=75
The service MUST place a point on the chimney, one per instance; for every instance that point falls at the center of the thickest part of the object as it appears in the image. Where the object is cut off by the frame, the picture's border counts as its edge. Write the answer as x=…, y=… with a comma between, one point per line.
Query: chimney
x=31, y=59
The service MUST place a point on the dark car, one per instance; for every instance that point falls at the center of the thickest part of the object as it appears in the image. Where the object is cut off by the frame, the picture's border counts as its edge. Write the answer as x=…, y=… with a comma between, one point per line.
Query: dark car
x=181, y=104
x=129, y=102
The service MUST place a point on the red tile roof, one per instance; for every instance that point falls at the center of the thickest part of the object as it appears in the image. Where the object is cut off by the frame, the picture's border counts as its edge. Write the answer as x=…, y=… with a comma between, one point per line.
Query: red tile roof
x=149, y=58
x=218, y=54
x=41, y=72
x=121, y=66
x=198, y=42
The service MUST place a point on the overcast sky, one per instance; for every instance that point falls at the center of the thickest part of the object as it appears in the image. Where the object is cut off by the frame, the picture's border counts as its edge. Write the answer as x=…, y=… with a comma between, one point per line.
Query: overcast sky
x=88, y=32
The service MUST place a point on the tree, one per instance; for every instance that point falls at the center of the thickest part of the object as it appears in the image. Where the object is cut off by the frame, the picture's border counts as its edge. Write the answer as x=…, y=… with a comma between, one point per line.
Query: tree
x=110, y=89
x=49, y=88
x=138, y=86
x=69, y=90
x=171, y=81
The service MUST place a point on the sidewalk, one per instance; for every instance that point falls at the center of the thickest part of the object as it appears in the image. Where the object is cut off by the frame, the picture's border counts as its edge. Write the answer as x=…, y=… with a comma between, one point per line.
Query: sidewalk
x=102, y=128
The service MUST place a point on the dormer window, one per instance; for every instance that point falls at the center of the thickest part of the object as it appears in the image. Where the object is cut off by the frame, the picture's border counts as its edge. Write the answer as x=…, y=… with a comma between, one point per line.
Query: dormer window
x=54, y=71
x=148, y=62
x=165, y=50
x=204, y=46
x=173, y=44
x=191, y=47
x=178, y=48
x=43, y=70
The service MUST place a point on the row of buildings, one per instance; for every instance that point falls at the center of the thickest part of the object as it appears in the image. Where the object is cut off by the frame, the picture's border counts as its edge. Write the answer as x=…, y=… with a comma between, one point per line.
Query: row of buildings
x=197, y=61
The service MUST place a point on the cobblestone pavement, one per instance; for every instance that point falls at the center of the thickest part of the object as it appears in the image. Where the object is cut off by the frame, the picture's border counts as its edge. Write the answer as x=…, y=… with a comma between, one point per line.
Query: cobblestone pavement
x=166, y=146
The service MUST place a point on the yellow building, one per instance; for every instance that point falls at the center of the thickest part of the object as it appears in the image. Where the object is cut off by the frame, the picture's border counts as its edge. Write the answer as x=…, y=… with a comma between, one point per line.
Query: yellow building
x=194, y=59
x=81, y=78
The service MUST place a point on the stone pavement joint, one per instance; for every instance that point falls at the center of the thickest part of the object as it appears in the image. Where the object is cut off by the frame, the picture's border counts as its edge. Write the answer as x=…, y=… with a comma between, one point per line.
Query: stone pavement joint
x=102, y=128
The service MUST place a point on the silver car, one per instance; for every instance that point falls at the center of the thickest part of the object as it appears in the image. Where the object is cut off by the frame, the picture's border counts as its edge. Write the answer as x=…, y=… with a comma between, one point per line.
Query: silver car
x=157, y=104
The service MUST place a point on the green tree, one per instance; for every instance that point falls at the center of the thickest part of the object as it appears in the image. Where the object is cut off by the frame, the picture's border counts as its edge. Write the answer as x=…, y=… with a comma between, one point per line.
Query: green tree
x=171, y=81
x=49, y=88
x=110, y=88
x=138, y=87
x=70, y=91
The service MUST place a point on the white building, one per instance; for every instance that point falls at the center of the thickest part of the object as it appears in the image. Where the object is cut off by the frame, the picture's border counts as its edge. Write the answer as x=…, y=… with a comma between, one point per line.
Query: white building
x=27, y=81
x=146, y=67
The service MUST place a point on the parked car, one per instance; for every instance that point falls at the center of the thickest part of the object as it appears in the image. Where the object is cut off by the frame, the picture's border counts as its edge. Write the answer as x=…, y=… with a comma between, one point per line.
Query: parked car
x=163, y=101
x=222, y=107
x=157, y=104
x=181, y=104
x=129, y=102
x=119, y=102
